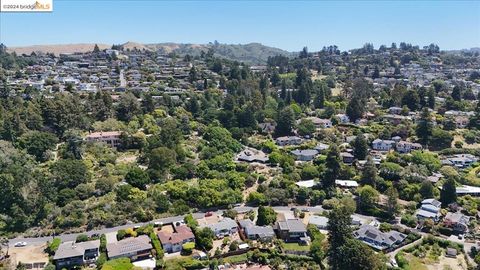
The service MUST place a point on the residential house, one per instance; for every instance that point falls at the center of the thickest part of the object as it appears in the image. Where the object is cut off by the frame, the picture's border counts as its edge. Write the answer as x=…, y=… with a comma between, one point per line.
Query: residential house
x=451, y=252
x=224, y=227
x=288, y=140
x=252, y=155
x=112, y=138
x=292, y=230
x=461, y=121
x=383, y=145
x=395, y=110
x=347, y=158
x=457, y=221
x=71, y=254
x=320, y=222
x=460, y=160
x=468, y=190
x=267, y=127
x=172, y=242
x=343, y=118
x=396, y=119
x=305, y=155
x=434, y=178
x=321, y=123
x=321, y=147
x=132, y=247
x=375, y=238
x=306, y=183
x=254, y=232
x=346, y=183
x=407, y=147
x=430, y=208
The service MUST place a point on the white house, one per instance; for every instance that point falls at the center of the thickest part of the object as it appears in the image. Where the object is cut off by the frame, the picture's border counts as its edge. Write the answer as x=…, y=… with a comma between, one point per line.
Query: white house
x=224, y=227
x=407, y=147
x=383, y=145
x=288, y=140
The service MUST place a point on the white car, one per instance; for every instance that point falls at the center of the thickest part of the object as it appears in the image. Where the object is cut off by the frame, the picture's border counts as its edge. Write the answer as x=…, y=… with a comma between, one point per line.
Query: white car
x=20, y=244
x=393, y=263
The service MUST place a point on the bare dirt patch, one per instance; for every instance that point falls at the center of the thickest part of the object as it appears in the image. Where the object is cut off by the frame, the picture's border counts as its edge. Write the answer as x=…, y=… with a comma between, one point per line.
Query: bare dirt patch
x=28, y=254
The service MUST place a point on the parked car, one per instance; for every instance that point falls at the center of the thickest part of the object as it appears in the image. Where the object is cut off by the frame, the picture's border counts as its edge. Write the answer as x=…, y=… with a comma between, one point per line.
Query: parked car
x=393, y=263
x=20, y=244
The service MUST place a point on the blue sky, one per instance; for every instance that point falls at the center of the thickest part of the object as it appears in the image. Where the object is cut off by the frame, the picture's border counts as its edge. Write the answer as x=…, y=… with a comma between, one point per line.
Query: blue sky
x=288, y=25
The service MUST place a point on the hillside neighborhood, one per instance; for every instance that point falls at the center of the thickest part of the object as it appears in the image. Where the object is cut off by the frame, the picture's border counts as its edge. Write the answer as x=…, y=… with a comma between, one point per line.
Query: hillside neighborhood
x=134, y=158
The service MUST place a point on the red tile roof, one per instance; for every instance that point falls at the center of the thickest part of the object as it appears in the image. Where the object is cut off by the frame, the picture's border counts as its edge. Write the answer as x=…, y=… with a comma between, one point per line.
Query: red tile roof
x=182, y=233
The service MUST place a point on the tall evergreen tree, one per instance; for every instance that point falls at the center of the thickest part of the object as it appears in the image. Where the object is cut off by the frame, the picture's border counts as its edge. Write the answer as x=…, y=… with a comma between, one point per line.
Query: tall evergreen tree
x=332, y=163
x=355, y=109
x=457, y=93
x=286, y=122
x=360, y=147
x=431, y=98
x=319, y=101
x=283, y=92
x=392, y=201
x=339, y=231
x=369, y=174
x=424, y=127
x=448, y=193
x=96, y=49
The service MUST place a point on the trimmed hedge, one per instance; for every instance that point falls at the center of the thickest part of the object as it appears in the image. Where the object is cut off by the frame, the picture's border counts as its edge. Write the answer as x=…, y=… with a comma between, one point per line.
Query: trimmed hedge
x=156, y=245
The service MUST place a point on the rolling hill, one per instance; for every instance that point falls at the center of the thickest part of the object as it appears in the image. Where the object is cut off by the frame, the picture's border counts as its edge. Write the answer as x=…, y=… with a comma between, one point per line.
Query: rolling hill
x=253, y=53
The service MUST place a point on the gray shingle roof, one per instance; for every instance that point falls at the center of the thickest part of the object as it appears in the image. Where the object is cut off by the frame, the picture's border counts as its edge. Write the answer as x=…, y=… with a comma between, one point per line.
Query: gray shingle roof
x=129, y=245
x=292, y=225
x=71, y=249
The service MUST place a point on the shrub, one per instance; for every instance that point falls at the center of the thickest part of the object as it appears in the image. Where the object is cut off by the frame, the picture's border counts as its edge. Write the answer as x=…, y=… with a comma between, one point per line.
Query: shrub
x=81, y=238
x=103, y=243
x=53, y=246
x=445, y=231
x=131, y=232
x=101, y=260
x=187, y=248
x=145, y=230
x=409, y=220
x=156, y=245
x=385, y=227
x=401, y=261
x=121, y=234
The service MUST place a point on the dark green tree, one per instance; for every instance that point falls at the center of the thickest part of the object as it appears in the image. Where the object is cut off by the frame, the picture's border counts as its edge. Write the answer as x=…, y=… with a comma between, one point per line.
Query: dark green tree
x=392, y=201
x=355, y=109
x=369, y=173
x=37, y=143
x=339, y=232
x=448, y=194
x=137, y=177
x=424, y=127
x=266, y=215
x=360, y=147
x=332, y=164
x=204, y=238
x=457, y=93
x=286, y=122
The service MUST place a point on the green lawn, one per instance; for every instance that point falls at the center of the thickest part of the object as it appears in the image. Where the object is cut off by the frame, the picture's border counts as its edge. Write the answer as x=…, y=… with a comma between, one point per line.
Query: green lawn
x=291, y=75
x=118, y=264
x=295, y=247
x=236, y=259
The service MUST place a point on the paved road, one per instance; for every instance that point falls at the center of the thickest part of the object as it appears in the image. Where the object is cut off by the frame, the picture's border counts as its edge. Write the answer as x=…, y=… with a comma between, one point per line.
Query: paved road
x=123, y=81
x=73, y=236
